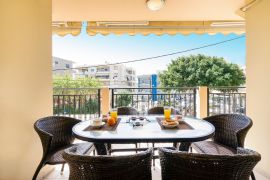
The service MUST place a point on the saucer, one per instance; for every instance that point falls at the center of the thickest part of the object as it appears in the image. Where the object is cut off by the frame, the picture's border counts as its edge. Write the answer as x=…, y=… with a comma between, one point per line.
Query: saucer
x=97, y=126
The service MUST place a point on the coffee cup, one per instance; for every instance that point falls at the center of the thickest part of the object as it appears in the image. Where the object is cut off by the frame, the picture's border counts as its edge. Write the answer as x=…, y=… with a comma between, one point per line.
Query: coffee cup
x=97, y=122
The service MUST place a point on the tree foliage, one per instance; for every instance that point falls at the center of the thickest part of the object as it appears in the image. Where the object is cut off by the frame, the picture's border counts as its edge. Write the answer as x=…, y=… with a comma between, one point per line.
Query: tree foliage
x=77, y=104
x=201, y=70
x=67, y=85
x=123, y=99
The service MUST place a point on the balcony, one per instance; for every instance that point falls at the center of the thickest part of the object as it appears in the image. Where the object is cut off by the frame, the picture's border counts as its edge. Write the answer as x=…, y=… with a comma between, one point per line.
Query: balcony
x=26, y=51
x=195, y=101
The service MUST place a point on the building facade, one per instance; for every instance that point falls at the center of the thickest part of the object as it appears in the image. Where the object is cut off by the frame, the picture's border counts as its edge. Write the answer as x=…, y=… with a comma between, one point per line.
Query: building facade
x=147, y=81
x=112, y=76
x=59, y=65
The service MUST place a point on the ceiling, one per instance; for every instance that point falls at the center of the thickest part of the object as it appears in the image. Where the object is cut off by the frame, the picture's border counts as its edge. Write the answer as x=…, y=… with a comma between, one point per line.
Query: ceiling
x=136, y=10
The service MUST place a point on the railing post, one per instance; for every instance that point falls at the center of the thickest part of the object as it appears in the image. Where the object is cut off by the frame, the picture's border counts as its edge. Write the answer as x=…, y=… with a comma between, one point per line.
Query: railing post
x=105, y=100
x=203, y=104
x=112, y=97
x=99, y=102
x=194, y=101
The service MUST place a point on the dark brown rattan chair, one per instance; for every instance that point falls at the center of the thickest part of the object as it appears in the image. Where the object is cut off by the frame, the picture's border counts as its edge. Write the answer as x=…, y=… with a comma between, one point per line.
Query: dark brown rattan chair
x=230, y=133
x=131, y=167
x=127, y=111
x=55, y=133
x=183, y=165
x=160, y=110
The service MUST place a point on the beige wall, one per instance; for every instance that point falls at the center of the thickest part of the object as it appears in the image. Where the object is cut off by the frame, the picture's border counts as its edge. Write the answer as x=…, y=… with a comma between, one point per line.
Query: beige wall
x=25, y=83
x=130, y=10
x=258, y=82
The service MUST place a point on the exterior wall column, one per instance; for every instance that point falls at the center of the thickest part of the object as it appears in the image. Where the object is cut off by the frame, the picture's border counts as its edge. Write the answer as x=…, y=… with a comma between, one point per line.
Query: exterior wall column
x=25, y=83
x=203, y=95
x=105, y=100
x=258, y=83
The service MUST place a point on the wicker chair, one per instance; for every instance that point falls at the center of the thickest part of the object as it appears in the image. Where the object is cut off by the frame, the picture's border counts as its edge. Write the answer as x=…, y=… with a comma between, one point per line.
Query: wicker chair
x=55, y=133
x=230, y=133
x=184, y=165
x=126, y=111
x=132, y=167
x=160, y=110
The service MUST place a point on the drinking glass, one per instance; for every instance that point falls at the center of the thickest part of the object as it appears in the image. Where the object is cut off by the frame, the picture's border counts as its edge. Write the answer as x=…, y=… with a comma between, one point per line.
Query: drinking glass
x=113, y=114
x=167, y=112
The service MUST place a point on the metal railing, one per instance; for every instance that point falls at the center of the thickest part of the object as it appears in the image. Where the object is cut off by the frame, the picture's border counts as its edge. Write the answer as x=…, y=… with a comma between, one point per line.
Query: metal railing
x=83, y=103
x=226, y=100
x=182, y=99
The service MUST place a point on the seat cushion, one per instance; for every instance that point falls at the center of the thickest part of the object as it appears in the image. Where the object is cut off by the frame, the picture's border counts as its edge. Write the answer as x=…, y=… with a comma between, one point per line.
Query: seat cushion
x=210, y=147
x=57, y=156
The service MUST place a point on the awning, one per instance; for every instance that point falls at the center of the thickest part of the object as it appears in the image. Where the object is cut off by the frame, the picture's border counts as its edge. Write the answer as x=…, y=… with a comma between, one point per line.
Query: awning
x=65, y=28
x=150, y=27
x=165, y=27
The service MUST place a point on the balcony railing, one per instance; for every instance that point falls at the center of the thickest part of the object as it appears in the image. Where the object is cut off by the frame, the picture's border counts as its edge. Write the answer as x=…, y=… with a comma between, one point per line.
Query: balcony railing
x=76, y=102
x=226, y=100
x=182, y=99
x=86, y=103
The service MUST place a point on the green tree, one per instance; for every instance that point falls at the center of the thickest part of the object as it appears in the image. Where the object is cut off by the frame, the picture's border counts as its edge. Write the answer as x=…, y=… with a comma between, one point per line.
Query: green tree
x=201, y=70
x=123, y=99
x=67, y=85
x=85, y=98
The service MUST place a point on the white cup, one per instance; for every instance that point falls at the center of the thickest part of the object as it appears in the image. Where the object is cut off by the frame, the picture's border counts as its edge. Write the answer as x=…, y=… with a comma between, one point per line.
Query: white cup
x=97, y=122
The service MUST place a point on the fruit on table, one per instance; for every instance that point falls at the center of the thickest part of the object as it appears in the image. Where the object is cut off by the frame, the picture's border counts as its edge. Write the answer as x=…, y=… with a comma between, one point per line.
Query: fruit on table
x=111, y=121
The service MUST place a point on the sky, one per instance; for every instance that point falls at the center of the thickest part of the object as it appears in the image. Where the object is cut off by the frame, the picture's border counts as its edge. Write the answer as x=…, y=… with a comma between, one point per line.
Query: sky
x=93, y=50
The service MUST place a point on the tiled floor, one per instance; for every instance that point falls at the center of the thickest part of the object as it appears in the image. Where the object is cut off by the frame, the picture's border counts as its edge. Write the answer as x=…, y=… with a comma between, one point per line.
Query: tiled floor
x=156, y=172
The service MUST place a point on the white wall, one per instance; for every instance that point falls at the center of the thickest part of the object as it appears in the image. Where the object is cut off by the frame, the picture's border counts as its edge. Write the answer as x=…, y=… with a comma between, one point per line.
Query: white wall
x=25, y=83
x=258, y=82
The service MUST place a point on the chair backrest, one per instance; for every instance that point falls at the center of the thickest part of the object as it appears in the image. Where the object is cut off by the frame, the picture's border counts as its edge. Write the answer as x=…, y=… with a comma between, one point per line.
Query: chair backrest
x=55, y=131
x=184, y=165
x=126, y=111
x=131, y=167
x=160, y=110
x=230, y=129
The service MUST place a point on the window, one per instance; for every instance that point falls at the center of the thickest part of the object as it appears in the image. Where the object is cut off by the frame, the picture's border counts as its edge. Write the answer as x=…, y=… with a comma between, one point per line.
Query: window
x=56, y=62
x=103, y=77
x=103, y=69
x=67, y=66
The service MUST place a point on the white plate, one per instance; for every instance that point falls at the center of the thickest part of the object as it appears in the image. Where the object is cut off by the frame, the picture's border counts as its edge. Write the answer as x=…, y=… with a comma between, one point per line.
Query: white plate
x=97, y=126
x=170, y=126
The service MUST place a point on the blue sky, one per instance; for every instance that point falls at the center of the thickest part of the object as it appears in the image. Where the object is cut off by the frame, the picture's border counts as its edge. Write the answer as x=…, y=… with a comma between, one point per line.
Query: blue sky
x=92, y=50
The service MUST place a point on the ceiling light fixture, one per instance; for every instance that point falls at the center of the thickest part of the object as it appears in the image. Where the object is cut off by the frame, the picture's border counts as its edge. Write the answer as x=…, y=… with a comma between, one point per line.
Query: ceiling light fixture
x=155, y=5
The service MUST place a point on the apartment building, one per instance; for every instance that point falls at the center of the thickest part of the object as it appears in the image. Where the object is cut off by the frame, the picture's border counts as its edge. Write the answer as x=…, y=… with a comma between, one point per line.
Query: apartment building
x=147, y=81
x=110, y=75
x=59, y=65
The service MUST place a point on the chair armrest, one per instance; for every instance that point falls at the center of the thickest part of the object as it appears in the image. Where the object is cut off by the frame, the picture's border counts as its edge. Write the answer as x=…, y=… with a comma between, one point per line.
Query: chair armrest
x=46, y=139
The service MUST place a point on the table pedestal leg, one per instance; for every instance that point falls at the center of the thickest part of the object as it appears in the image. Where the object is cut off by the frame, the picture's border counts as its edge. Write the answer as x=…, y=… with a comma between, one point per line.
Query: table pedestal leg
x=184, y=146
x=101, y=148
